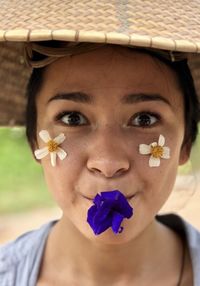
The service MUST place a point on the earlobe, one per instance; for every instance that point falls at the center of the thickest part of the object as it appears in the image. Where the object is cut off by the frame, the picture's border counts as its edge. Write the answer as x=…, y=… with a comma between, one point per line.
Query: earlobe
x=185, y=153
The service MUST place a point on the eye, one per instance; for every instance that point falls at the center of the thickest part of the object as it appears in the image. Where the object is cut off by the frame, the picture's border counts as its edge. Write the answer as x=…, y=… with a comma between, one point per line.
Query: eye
x=71, y=118
x=145, y=119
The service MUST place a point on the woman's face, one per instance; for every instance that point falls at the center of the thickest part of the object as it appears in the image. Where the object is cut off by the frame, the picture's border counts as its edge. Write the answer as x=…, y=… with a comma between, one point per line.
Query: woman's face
x=119, y=99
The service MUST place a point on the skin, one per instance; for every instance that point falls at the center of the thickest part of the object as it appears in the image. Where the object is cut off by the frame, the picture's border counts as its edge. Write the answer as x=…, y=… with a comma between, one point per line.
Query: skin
x=103, y=155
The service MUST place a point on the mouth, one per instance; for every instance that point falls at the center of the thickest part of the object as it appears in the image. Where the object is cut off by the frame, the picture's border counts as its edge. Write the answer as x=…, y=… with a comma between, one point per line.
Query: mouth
x=128, y=197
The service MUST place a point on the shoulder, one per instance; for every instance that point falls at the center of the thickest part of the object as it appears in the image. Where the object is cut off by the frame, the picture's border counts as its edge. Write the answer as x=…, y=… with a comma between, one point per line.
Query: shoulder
x=192, y=238
x=24, y=253
x=184, y=228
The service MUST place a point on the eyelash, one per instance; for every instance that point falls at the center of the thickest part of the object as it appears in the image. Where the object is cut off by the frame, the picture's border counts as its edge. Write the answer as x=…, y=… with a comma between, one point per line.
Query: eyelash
x=59, y=117
x=148, y=114
x=157, y=118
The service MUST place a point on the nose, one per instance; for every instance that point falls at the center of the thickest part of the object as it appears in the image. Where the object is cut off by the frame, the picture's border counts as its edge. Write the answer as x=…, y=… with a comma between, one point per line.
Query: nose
x=108, y=156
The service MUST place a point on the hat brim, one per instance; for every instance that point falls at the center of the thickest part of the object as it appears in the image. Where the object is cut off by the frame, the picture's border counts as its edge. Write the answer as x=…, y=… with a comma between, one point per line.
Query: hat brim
x=171, y=25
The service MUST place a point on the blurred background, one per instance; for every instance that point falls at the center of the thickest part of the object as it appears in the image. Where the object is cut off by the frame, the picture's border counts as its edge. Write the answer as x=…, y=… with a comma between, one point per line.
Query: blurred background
x=26, y=204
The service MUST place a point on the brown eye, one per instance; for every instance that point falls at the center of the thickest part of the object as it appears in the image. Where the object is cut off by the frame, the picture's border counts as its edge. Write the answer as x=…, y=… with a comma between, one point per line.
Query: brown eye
x=144, y=120
x=72, y=118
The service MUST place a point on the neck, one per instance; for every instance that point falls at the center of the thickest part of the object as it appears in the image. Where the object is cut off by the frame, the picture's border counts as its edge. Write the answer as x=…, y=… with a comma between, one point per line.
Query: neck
x=105, y=263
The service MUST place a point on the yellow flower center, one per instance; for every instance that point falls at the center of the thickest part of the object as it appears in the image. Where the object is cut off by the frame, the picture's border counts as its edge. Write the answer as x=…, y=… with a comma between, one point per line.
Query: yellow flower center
x=156, y=151
x=52, y=146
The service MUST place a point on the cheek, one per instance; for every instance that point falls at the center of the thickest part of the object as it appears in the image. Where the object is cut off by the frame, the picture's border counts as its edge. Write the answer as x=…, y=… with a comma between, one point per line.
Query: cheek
x=158, y=181
x=61, y=179
x=162, y=178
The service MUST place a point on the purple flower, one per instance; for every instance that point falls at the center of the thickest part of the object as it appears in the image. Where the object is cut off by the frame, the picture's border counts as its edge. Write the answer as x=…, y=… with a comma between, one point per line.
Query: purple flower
x=109, y=210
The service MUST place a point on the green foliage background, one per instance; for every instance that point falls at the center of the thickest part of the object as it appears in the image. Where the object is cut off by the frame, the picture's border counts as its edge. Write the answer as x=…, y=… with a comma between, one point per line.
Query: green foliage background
x=21, y=181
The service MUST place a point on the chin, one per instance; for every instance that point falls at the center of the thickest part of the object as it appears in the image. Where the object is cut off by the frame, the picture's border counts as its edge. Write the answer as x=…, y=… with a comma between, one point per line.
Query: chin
x=108, y=237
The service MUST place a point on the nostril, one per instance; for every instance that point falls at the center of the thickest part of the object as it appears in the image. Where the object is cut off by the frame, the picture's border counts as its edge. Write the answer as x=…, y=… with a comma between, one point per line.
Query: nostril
x=108, y=168
x=120, y=171
x=95, y=170
x=109, y=173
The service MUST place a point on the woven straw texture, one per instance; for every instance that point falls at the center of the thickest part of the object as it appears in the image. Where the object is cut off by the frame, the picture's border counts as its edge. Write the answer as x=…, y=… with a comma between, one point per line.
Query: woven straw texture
x=167, y=24
x=13, y=79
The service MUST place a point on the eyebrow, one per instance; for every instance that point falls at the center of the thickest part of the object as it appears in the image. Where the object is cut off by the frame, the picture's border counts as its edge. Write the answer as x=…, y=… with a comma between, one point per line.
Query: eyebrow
x=73, y=96
x=82, y=97
x=141, y=97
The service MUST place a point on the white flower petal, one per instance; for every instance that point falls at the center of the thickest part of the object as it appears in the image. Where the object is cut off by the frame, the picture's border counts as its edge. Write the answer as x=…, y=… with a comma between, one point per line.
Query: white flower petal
x=53, y=158
x=154, y=162
x=44, y=135
x=161, y=140
x=144, y=149
x=59, y=139
x=154, y=144
x=41, y=153
x=166, y=153
x=61, y=153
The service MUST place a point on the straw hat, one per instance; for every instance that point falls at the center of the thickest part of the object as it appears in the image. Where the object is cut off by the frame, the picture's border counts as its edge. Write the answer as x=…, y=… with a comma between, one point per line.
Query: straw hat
x=167, y=25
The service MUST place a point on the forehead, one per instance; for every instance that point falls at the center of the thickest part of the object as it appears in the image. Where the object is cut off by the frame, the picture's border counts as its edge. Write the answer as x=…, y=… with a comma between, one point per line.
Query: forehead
x=110, y=67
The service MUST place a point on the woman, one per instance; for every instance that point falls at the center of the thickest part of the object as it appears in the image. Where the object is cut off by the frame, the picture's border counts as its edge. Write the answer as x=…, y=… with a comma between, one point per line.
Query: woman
x=103, y=119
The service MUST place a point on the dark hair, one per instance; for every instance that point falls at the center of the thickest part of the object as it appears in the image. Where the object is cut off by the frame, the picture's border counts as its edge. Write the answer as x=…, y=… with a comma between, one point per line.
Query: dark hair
x=32, y=90
x=191, y=102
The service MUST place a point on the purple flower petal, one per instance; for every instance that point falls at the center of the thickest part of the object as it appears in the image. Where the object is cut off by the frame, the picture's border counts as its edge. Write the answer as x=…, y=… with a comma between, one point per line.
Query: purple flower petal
x=103, y=226
x=111, y=195
x=90, y=216
x=123, y=206
x=119, y=202
x=97, y=200
x=109, y=210
x=101, y=215
x=116, y=222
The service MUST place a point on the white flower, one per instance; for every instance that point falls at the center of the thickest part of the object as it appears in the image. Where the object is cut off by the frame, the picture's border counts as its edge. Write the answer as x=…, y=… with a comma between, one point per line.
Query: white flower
x=156, y=150
x=52, y=147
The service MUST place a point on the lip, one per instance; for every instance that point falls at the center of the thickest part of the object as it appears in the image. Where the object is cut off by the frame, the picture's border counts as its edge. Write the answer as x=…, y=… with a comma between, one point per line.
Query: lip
x=129, y=197
x=87, y=198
